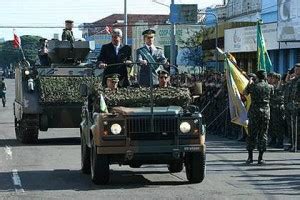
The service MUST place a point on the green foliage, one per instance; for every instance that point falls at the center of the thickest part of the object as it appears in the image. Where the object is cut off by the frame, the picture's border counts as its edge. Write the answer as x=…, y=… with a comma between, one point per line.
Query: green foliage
x=139, y=97
x=64, y=89
x=9, y=54
x=194, y=45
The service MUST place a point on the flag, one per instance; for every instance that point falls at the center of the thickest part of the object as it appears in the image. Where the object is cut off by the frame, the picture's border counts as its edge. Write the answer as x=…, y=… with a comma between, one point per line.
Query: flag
x=108, y=29
x=103, y=107
x=236, y=83
x=263, y=59
x=17, y=41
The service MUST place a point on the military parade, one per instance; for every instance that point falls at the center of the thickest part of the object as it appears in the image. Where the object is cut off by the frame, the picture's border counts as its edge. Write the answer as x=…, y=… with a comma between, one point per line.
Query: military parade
x=189, y=100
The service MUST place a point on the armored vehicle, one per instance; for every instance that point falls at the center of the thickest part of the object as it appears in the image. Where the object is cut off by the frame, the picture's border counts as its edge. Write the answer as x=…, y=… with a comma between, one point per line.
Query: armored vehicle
x=135, y=131
x=48, y=96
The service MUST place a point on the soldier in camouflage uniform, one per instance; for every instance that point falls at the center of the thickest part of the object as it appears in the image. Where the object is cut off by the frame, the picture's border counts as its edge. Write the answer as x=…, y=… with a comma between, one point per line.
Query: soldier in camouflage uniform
x=259, y=115
x=277, y=125
x=295, y=99
x=67, y=32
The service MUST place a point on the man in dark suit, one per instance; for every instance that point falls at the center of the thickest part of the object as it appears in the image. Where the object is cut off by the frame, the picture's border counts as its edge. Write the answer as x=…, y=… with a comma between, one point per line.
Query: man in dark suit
x=114, y=53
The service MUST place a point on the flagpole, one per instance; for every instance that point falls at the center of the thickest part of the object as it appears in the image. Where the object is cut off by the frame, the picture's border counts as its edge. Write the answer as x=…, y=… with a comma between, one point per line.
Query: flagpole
x=22, y=52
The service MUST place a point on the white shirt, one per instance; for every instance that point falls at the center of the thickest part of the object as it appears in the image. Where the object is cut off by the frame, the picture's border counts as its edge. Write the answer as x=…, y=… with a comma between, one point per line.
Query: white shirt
x=153, y=48
x=117, y=48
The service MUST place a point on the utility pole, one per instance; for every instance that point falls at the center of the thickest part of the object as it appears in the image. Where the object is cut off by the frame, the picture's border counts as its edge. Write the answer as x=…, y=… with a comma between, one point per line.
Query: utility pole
x=173, y=45
x=125, y=21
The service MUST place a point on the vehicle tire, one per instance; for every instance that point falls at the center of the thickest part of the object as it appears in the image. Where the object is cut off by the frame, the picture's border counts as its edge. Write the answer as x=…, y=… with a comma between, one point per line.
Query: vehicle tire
x=26, y=135
x=99, y=167
x=175, y=167
x=195, y=167
x=85, y=157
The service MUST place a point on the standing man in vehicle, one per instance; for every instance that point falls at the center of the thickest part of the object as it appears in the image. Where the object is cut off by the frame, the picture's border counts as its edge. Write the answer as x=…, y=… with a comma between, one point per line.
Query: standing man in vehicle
x=118, y=56
x=259, y=115
x=67, y=32
x=3, y=91
x=147, y=56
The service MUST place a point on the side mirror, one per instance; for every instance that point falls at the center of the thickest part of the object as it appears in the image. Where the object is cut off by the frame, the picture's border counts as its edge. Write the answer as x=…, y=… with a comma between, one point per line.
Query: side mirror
x=83, y=88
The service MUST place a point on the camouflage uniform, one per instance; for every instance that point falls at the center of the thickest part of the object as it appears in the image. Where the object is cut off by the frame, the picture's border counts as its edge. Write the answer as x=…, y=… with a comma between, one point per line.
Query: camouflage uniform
x=295, y=99
x=68, y=35
x=277, y=125
x=288, y=110
x=259, y=114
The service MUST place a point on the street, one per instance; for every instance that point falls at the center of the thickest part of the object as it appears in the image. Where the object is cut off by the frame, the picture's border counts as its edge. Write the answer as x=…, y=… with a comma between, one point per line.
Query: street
x=51, y=170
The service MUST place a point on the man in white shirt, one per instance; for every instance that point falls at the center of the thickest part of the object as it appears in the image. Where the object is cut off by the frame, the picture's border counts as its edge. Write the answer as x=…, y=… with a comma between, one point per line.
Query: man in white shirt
x=150, y=58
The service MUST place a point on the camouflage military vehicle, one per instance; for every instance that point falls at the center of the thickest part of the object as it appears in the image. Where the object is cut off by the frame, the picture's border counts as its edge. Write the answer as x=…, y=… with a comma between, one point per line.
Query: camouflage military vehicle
x=48, y=96
x=137, y=131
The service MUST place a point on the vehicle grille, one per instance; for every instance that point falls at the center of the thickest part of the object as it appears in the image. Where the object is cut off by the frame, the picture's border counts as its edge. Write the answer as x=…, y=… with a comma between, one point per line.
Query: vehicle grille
x=139, y=128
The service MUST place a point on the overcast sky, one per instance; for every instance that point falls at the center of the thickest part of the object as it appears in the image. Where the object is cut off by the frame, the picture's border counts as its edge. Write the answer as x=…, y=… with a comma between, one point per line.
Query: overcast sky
x=15, y=13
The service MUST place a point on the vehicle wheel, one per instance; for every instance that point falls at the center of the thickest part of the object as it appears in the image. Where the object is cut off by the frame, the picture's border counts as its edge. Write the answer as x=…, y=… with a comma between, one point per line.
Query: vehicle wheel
x=195, y=167
x=135, y=165
x=26, y=135
x=99, y=167
x=85, y=157
x=175, y=167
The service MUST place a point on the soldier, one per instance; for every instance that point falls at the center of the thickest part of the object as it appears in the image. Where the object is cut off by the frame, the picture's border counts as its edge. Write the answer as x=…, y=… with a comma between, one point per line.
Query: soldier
x=112, y=81
x=259, y=115
x=287, y=88
x=115, y=53
x=67, y=32
x=295, y=98
x=43, y=52
x=2, y=91
x=146, y=56
x=276, y=128
x=163, y=79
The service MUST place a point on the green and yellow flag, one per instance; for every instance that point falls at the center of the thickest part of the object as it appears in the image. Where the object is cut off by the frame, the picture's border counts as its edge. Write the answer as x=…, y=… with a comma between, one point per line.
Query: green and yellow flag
x=236, y=84
x=263, y=59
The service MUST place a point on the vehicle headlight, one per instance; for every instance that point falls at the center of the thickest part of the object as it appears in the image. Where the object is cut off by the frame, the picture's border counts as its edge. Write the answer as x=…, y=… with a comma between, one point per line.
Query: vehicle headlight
x=185, y=127
x=27, y=72
x=116, y=129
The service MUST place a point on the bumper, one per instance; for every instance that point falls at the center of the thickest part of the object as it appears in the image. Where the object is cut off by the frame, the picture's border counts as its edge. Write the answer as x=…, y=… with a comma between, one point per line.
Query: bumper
x=170, y=149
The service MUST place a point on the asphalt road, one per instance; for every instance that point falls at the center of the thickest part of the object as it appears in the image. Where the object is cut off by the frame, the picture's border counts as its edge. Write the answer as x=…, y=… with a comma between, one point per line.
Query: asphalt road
x=50, y=170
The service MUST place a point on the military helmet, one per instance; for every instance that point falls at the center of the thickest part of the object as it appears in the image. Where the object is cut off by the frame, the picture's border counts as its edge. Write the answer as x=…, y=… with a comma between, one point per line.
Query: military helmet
x=114, y=77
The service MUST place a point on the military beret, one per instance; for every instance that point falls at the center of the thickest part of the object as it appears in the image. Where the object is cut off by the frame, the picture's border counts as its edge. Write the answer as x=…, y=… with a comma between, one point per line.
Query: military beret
x=162, y=71
x=113, y=76
x=297, y=65
x=148, y=32
x=69, y=21
x=261, y=74
x=117, y=31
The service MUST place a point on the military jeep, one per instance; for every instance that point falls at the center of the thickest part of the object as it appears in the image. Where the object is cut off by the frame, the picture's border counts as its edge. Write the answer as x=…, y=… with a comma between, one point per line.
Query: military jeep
x=134, y=132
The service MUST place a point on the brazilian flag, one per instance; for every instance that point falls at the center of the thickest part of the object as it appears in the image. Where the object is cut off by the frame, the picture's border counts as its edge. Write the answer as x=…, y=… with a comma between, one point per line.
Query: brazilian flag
x=263, y=59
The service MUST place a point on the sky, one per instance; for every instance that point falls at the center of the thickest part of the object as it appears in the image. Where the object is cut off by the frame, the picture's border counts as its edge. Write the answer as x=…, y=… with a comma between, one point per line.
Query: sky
x=53, y=13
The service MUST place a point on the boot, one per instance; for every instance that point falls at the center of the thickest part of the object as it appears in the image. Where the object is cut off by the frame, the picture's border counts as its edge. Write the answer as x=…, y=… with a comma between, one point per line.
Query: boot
x=260, y=158
x=250, y=158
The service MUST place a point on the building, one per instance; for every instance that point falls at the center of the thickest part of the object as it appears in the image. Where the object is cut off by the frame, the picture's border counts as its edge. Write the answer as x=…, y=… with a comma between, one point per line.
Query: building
x=280, y=33
x=98, y=30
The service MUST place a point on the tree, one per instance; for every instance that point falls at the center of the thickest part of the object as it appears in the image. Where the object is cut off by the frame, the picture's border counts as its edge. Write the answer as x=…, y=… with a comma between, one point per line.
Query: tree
x=30, y=45
x=193, y=53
